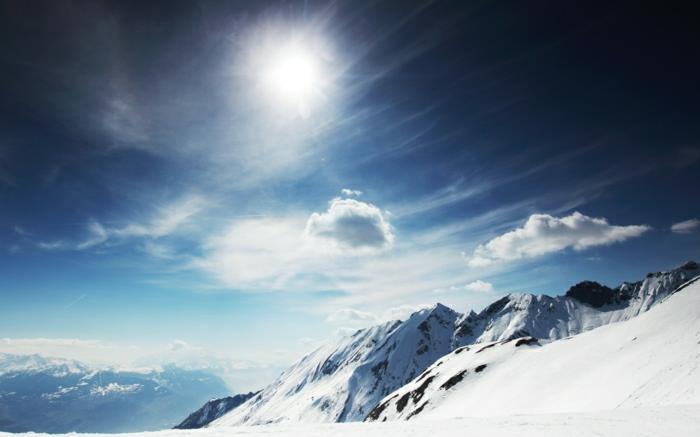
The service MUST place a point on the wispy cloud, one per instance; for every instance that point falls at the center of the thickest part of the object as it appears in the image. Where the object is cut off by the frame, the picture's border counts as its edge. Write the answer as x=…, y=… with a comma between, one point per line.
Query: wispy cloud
x=686, y=226
x=345, y=315
x=347, y=192
x=463, y=189
x=74, y=301
x=166, y=220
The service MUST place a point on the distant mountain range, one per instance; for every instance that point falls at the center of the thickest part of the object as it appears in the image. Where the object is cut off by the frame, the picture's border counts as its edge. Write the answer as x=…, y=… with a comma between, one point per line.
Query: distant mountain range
x=346, y=380
x=55, y=395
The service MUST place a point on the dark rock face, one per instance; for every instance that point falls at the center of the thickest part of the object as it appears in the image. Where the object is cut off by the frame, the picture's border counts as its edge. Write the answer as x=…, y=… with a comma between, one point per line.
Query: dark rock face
x=526, y=341
x=377, y=411
x=417, y=410
x=212, y=410
x=454, y=379
x=690, y=265
x=402, y=402
x=592, y=293
x=417, y=394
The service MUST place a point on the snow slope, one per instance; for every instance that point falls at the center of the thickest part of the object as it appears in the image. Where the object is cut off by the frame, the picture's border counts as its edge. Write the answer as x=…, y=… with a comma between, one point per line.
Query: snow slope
x=344, y=381
x=648, y=361
x=681, y=421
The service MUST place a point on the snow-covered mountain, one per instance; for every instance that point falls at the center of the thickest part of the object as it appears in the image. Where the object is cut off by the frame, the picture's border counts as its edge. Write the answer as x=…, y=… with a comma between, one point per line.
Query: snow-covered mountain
x=346, y=380
x=648, y=361
x=212, y=410
x=55, y=395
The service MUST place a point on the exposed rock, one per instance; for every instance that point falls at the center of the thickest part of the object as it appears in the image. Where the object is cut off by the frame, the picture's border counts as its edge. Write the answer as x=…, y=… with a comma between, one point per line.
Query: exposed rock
x=592, y=293
x=453, y=380
x=212, y=410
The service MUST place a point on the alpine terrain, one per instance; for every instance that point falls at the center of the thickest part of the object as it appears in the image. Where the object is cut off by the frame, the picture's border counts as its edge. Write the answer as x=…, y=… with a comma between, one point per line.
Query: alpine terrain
x=345, y=381
x=648, y=361
x=54, y=395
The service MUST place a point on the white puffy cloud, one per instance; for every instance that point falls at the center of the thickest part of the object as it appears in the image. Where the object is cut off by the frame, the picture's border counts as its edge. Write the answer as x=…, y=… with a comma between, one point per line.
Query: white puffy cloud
x=686, y=227
x=479, y=286
x=543, y=234
x=347, y=192
x=351, y=225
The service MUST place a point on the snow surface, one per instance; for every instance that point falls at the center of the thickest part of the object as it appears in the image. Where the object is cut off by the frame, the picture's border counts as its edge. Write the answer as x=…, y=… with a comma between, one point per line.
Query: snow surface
x=677, y=421
x=648, y=361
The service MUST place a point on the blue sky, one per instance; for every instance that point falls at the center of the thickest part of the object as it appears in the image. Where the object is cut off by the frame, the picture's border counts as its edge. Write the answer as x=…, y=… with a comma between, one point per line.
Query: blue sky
x=234, y=183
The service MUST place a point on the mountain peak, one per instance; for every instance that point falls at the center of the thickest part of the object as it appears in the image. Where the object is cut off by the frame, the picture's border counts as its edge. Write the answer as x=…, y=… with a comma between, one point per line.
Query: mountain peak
x=592, y=293
x=690, y=265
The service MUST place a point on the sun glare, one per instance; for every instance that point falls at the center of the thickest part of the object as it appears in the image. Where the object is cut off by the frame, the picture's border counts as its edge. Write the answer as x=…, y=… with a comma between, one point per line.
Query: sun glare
x=292, y=75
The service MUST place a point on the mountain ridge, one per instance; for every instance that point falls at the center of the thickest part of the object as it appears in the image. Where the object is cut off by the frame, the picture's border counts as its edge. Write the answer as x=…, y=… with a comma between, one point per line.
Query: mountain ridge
x=343, y=381
x=46, y=394
x=616, y=366
x=212, y=410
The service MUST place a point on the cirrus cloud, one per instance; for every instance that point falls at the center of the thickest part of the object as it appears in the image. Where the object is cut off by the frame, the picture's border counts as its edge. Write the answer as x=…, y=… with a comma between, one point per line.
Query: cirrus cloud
x=685, y=227
x=345, y=315
x=543, y=234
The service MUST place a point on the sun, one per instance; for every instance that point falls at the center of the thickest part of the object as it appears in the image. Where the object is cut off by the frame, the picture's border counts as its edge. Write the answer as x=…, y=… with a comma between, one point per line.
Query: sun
x=292, y=75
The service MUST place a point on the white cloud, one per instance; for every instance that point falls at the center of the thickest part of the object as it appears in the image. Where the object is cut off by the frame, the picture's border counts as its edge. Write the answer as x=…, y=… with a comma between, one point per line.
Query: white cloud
x=180, y=345
x=160, y=251
x=167, y=220
x=479, y=286
x=350, y=193
x=351, y=225
x=353, y=319
x=42, y=342
x=54, y=245
x=258, y=253
x=346, y=315
x=87, y=350
x=402, y=312
x=294, y=251
x=98, y=236
x=543, y=234
x=21, y=231
x=686, y=227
